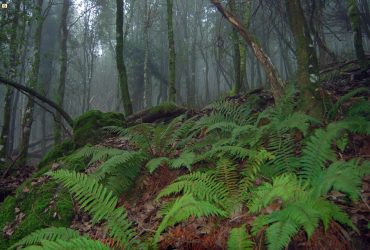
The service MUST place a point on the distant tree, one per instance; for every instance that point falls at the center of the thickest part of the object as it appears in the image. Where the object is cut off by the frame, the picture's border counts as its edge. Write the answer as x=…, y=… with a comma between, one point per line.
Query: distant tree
x=273, y=76
x=122, y=75
x=32, y=83
x=12, y=72
x=63, y=29
x=354, y=15
x=171, y=54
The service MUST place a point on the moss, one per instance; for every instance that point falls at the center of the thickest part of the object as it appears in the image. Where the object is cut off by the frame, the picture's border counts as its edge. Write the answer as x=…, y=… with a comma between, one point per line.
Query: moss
x=7, y=214
x=58, y=151
x=87, y=127
x=165, y=107
x=38, y=209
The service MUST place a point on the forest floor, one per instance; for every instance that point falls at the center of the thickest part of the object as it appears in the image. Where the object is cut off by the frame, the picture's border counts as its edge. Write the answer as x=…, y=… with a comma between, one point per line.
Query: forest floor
x=212, y=233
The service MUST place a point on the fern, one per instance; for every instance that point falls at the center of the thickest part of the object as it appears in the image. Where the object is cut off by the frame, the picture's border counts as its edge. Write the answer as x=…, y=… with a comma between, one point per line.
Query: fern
x=283, y=147
x=239, y=240
x=235, y=152
x=185, y=159
x=155, y=163
x=226, y=172
x=285, y=187
x=50, y=234
x=182, y=209
x=72, y=244
x=253, y=168
x=341, y=176
x=359, y=109
x=299, y=209
x=203, y=186
x=100, y=203
x=343, y=99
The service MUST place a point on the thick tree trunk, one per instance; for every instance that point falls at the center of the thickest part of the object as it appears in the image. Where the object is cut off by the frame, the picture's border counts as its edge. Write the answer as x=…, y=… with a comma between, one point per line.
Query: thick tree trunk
x=307, y=73
x=28, y=113
x=274, y=79
x=354, y=15
x=171, y=54
x=5, y=132
x=63, y=69
x=122, y=75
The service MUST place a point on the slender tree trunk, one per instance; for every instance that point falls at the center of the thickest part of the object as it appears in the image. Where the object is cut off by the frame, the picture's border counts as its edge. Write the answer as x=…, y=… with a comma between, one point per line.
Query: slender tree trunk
x=171, y=54
x=237, y=85
x=354, y=15
x=307, y=73
x=122, y=75
x=28, y=113
x=274, y=79
x=63, y=69
x=5, y=132
x=147, y=86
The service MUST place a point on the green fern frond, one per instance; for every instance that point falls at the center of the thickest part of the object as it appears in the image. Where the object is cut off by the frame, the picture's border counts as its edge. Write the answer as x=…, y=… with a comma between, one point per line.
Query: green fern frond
x=285, y=187
x=317, y=151
x=120, y=131
x=239, y=239
x=252, y=169
x=279, y=234
x=226, y=172
x=126, y=161
x=72, y=244
x=247, y=135
x=342, y=176
x=359, y=109
x=283, y=147
x=100, y=203
x=155, y=163
x=343, y=99
x=235, y=152
x=224, y=127
x=182, y=209
x=203, y=186
x=185, y=159
x=50, y=234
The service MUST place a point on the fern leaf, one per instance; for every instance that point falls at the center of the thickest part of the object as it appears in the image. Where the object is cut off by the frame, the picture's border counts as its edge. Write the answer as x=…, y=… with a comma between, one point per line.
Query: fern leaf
x=182, y=209
x=186, y=159
x=239, y=240
x=50, y=234
x=203, y=186
x=155, y=163
x=100, y=203
x=341, y=176
x=73, y=244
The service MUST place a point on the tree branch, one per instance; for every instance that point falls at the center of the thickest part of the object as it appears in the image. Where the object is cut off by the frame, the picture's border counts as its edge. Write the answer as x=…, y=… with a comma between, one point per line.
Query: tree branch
x=35, y=94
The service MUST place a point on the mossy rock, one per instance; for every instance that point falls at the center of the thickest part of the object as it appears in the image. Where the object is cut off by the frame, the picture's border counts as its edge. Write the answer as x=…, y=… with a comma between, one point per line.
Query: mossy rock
x=56, y=152
x=163, y=108
x=88, y=127
x=43, y=206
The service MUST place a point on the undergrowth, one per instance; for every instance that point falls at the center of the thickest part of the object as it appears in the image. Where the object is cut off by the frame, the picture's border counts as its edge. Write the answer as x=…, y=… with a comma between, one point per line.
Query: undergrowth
x=279, y=165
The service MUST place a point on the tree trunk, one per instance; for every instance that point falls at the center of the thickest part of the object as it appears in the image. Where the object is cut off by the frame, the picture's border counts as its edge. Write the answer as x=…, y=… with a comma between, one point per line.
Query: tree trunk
x=28, y=113
x=147, y=86
x=5, y=132
x=63, y=69
x=237, y=55
x=354, y=15
x=122, y=75
x=171, y=54
x=274, y=79
x=307, y=73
